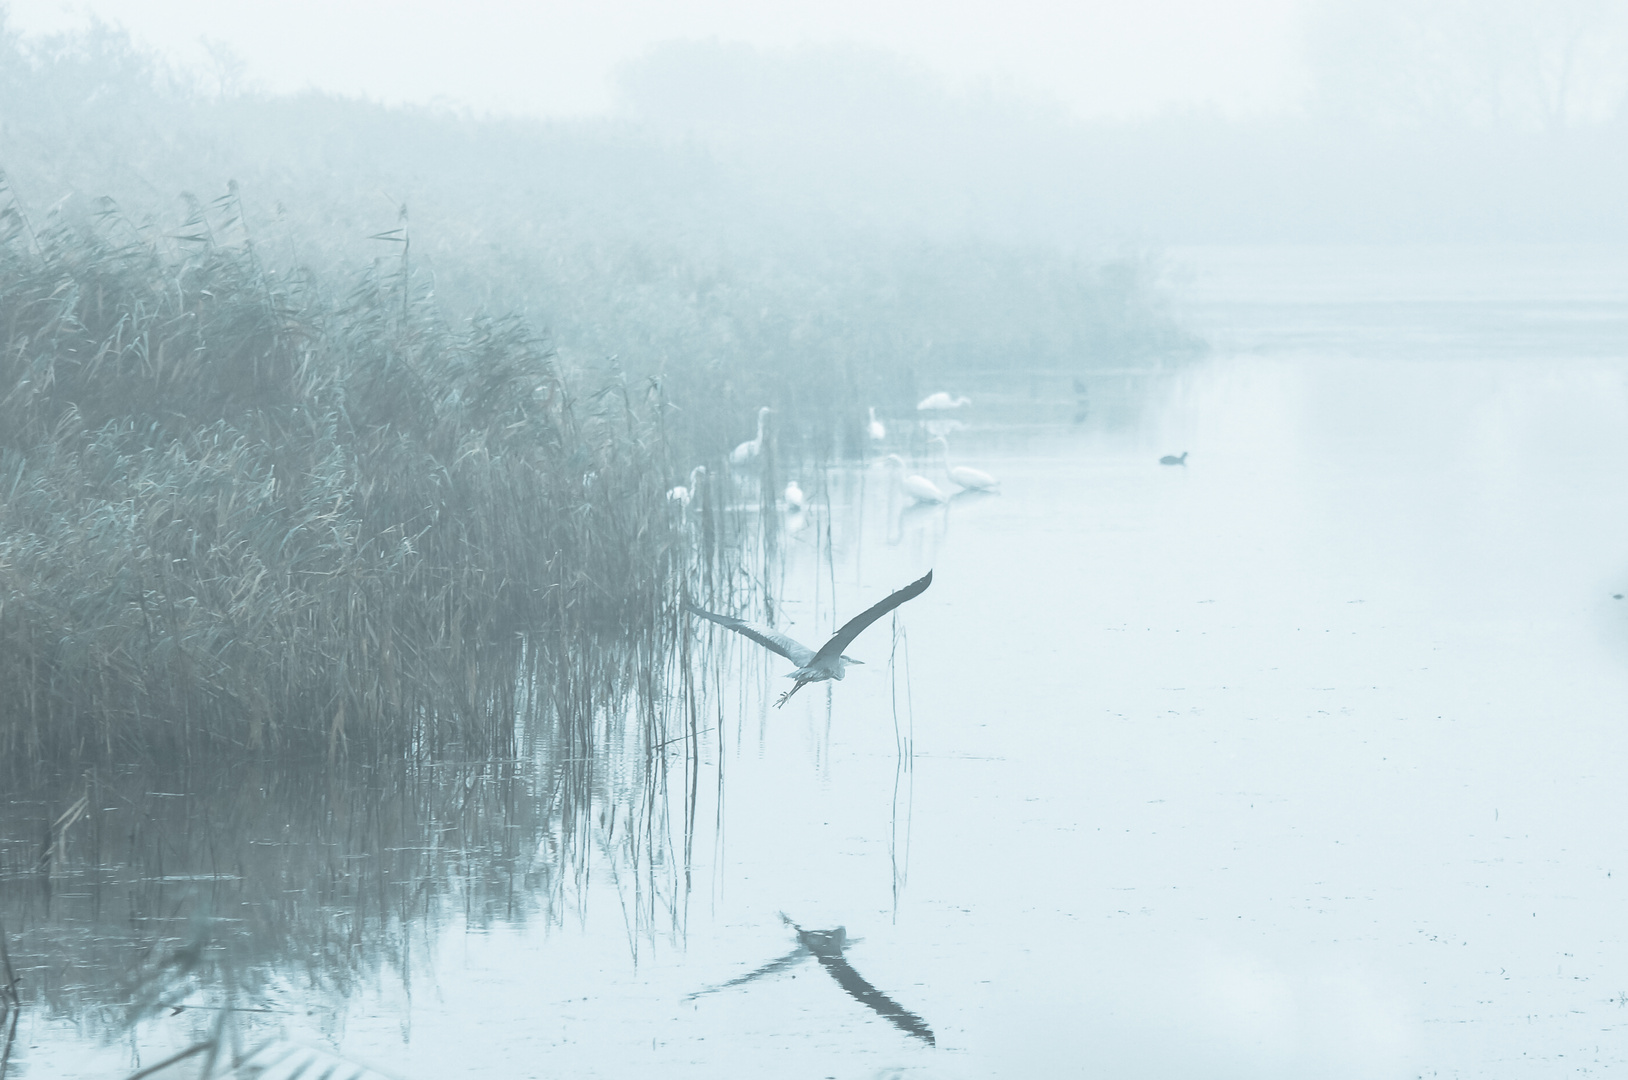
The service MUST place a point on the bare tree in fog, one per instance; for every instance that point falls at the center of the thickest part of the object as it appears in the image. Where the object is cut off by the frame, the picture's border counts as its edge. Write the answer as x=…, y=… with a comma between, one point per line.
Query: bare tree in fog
x=1530, y=65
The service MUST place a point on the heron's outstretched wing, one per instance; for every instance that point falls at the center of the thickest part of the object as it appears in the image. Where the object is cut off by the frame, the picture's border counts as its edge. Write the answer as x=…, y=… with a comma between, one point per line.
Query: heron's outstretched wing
x=854, y=626
x=772, y=640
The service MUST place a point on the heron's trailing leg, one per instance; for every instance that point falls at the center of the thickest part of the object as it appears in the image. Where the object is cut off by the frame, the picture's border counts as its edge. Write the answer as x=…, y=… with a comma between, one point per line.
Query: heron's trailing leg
x=783, y=698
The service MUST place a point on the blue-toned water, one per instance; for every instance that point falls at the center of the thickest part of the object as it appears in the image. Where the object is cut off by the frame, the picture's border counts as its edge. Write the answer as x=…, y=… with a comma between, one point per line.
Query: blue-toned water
x=1304, y=758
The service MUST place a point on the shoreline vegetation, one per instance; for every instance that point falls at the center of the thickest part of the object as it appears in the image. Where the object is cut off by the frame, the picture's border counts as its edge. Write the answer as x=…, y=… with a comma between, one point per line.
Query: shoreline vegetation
x=257, y=502
x=340, y=589
x=243, y=514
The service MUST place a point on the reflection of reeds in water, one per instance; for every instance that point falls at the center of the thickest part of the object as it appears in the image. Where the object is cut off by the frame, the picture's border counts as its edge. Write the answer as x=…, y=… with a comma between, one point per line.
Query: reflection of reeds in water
x=904, y=766
x=271, y=888
x=320, y=620
x=10, y=1003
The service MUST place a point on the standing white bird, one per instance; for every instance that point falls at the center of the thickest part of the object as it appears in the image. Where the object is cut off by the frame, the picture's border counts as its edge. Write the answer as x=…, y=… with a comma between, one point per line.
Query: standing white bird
x=828, y=662
x=941, y=402
x=682, y=494
x=969, y=478
x=875, y=429
x=916, y=486
x=751, y=448
x=795, y=500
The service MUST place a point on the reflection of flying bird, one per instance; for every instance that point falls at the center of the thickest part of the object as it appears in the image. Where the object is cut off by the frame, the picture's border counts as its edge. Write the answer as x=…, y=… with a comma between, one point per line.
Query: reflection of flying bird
x=1172, y=459
x=916, y=486
x=940, y=402
x=875, y=429
x=969, y=478
x=828, y=662
x=827, y=946
x=751, y=448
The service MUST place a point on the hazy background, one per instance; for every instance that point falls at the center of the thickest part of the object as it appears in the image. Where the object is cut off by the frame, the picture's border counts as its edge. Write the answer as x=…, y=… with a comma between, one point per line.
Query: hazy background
x=1332, y=711
x=1094, y=123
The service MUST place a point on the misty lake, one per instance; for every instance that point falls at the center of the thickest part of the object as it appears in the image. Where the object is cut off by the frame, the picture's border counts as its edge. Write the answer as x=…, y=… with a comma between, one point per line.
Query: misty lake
x=1304, y=758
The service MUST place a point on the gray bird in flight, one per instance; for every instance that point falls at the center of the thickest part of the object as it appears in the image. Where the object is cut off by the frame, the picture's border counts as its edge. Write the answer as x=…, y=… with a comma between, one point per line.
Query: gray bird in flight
x=828, y=662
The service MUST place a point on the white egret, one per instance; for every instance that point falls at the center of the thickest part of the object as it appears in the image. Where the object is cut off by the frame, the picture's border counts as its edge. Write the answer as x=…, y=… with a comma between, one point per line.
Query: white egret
x=682, y=494
x=941, y=402
x=918, y=487
x=795, y=500
x=875, y=429
x=751, y=448
x=828, y=662
x=1172, y=459
x=970, y=479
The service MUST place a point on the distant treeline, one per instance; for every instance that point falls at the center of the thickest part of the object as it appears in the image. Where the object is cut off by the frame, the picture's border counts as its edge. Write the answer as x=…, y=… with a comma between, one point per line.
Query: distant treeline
x=1424, y=123
x=630, y=249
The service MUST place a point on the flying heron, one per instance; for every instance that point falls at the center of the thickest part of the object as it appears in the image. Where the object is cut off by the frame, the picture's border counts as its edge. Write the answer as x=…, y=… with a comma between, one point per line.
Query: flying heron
x=828, y=662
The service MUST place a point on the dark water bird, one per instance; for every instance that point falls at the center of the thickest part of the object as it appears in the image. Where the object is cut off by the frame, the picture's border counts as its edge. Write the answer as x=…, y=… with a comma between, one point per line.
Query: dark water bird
x=1172, y=459
x=1082, y=401
x=828, y=946
x=828, y=662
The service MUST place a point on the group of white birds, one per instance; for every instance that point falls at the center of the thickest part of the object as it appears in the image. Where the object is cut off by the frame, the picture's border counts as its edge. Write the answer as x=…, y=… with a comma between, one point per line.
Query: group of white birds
x=921, y=489
x=918, y=487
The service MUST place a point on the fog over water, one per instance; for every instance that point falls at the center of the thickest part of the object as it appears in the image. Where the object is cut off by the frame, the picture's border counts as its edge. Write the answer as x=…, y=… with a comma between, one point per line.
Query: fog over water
x=1298, y=752
x=1300, y=757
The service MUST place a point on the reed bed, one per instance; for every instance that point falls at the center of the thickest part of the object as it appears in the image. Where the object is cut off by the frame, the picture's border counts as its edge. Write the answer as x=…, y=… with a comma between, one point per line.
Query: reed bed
x=241, y=511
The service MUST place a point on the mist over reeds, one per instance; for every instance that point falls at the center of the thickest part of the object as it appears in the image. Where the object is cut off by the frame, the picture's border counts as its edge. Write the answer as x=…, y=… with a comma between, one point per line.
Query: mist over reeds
x=348, y=455
x=339, y=582
x=256, y=511
x=627, y=244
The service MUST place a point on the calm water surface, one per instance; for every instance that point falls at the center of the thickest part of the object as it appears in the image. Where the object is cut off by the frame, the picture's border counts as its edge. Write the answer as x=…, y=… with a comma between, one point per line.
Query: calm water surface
x=1304, y=759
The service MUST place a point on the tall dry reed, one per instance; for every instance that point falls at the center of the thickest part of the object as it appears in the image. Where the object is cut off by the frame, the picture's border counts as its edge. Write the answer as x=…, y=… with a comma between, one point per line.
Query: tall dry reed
x=241, y=511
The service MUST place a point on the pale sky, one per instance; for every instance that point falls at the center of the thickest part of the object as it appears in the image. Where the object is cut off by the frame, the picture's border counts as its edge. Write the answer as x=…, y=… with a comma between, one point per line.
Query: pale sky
x=559, y=58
